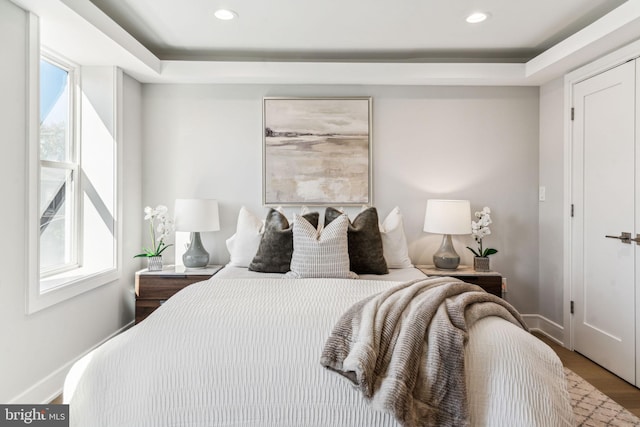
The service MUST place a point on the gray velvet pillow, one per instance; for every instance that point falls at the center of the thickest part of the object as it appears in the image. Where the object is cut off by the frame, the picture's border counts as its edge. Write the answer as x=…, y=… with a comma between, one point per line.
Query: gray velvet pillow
x=276, y=244
x=366, y=255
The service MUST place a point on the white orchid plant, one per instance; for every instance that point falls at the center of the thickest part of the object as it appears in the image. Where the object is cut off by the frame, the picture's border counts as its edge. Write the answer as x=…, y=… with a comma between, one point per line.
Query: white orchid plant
x=160, y=223
x=480, y=229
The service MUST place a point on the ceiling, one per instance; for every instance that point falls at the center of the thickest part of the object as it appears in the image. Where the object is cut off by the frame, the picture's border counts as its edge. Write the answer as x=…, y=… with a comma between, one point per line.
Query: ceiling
x=353, y=30
x=339, y=42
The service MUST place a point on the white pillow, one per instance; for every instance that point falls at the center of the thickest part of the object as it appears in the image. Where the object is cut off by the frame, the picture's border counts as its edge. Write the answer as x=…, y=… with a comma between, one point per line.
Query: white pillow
x=243, y=245
x=320, y=254
x=394, y=241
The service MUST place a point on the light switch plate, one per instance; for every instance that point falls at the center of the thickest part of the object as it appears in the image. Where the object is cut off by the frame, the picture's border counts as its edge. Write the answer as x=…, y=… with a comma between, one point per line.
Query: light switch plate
x=542, y=193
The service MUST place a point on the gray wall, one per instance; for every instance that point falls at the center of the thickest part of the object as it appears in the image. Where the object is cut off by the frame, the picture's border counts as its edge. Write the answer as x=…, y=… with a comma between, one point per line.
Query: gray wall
x=477, y=143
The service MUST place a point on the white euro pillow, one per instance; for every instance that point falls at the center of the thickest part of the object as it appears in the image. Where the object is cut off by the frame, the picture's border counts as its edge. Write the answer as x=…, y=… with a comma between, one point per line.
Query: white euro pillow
x=243, y=245
x=394, y=241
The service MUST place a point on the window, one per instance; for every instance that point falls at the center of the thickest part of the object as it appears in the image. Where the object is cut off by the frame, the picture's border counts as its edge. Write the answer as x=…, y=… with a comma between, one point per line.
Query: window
x=58, y=170
x=73, y=163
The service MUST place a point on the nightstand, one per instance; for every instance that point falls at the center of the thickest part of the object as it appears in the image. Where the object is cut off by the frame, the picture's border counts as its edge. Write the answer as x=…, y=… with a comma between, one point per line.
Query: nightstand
x=490, y=281
x=153, y=288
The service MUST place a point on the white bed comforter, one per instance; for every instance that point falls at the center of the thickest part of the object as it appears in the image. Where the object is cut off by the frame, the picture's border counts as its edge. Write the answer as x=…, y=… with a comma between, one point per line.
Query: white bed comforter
x=245, y=352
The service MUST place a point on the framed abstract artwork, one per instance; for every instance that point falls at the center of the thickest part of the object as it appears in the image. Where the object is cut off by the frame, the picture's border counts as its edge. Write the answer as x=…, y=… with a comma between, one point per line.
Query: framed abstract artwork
x=317, y=151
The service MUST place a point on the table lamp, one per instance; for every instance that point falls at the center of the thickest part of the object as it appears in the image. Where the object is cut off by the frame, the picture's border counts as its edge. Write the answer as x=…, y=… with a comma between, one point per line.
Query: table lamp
x=447, y=217
x=196, y=216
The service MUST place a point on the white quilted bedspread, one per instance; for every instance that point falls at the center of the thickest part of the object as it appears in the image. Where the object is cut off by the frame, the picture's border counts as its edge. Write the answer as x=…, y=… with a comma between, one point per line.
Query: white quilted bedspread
x=245, y=352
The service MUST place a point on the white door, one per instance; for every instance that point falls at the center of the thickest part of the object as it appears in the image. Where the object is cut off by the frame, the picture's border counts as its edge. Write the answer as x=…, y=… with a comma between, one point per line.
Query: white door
x=603, y=189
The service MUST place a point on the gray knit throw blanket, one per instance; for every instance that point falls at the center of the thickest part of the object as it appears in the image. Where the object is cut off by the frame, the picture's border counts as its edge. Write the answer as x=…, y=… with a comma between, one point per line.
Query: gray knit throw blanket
x=404, y=348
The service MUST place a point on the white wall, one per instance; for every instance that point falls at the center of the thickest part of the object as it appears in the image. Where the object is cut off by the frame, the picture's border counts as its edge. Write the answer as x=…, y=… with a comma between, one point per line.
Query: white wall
x=35, y=350
x=132, y=218
x=478, y=143
x=551, y=236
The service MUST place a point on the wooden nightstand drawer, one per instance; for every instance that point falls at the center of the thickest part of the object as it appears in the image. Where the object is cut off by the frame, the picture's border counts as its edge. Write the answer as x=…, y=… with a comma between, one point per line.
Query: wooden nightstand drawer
x=493, y=285
x=489, y=281
x=158, y=287
x=153, y=288
x=145, y=307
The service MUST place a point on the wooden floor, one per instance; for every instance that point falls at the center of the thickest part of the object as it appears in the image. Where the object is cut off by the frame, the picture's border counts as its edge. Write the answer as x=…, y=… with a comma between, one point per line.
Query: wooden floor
x=617, y=389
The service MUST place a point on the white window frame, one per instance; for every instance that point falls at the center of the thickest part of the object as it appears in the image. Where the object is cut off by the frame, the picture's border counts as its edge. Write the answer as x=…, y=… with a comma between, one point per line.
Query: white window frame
x=72, y=164
x=75, y=284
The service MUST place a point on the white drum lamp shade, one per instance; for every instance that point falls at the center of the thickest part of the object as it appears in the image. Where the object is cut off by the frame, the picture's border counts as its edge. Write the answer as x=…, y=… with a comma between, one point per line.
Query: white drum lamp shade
x=195, y=216
x=447, y=217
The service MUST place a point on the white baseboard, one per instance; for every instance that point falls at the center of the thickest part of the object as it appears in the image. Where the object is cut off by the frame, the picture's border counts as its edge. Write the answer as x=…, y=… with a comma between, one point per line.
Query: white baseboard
x=541, y=324
x=50, y=387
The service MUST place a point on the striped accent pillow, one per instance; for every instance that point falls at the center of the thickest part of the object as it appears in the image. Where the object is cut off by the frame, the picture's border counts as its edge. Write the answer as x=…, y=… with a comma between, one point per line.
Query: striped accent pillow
x=320, y=254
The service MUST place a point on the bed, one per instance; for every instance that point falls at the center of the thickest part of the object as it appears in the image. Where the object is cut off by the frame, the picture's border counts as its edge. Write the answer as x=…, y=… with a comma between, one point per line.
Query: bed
x=243, y=349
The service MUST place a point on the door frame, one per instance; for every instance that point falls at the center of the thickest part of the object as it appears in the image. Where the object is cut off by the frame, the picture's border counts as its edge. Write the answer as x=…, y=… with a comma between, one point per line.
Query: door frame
x=612, y=60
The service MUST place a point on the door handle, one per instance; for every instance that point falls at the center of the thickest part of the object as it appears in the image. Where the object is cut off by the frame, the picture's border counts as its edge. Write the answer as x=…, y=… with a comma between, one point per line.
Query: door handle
x=625, y=238
x=637, y=239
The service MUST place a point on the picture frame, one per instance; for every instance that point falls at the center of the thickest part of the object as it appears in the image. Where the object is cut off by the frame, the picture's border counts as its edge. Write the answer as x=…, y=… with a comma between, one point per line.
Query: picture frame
x=317, y=151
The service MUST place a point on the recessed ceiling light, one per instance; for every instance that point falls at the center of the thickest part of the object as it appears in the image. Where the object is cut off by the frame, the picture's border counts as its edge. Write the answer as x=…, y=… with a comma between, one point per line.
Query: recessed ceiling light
x=477, y=17
x=225, y=14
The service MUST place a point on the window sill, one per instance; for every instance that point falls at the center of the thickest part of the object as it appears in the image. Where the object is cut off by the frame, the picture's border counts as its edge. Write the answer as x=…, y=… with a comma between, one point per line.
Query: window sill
x=61, y=287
